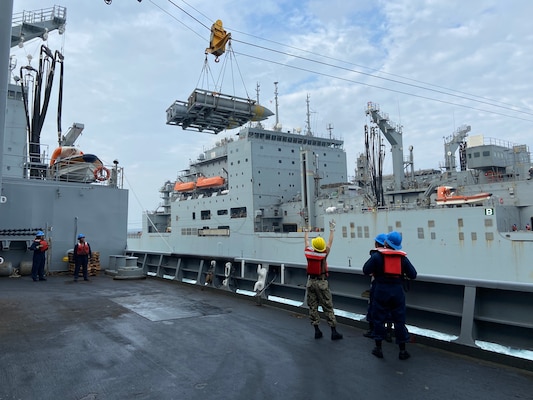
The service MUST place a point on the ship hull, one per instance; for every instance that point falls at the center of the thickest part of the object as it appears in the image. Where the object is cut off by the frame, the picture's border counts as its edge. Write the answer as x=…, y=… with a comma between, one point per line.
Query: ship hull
x=62, y=211
x=445, y=248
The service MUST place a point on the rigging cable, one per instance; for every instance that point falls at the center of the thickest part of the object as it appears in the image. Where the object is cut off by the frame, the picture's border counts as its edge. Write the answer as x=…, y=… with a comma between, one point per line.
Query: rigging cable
x=440, y=90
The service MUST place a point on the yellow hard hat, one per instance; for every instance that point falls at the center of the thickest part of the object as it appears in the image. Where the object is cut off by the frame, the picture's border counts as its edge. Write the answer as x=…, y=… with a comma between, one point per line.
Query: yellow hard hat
x=319, y=244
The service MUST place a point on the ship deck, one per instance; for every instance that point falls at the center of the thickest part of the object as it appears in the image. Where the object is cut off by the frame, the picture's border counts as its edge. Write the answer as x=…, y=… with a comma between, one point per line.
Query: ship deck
x=156, y=339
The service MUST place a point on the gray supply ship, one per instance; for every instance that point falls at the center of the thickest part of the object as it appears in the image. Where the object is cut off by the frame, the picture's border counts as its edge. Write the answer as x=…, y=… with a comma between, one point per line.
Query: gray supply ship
x=251, y=196
x=56, y=188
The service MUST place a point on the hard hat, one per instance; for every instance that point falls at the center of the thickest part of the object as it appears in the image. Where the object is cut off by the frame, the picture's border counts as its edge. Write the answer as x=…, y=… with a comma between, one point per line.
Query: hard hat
x=394, y=240
x=39, y=233
x=319, y=244
x=381, y=239
x=81, y=235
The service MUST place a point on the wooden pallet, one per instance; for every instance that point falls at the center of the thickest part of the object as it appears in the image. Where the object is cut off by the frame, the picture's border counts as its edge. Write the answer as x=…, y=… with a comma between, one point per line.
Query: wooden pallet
x=93, y=267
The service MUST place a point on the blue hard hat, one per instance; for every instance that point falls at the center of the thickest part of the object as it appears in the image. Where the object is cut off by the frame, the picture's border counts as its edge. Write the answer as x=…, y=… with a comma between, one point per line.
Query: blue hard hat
x=81, y=235
x=394, y=240
x=39, y=233
x=380, y=239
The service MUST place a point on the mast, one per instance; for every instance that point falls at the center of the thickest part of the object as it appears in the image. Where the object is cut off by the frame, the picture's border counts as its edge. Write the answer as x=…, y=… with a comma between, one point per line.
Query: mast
x=308, y=120
x=277, y=127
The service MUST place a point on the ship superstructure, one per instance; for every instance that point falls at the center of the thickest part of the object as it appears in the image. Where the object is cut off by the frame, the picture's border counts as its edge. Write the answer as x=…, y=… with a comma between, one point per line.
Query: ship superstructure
x=56, y=188
x=454, y=221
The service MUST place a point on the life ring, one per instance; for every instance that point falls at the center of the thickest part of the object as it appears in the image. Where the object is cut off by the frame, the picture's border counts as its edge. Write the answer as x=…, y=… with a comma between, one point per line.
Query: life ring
x=101, y=174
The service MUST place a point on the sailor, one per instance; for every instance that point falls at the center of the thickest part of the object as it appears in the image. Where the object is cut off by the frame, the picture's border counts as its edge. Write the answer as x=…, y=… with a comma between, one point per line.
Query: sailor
x=318, y=292
x=390, y=266
x=39, y=247
x=82, y=254
x=379, y=242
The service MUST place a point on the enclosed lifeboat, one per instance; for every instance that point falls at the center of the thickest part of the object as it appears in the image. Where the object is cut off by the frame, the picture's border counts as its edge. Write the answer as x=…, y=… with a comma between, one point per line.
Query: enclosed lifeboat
x=69, y=163
x=184, y=186
x=445, y=196
x=211, y=182
x=64, y=152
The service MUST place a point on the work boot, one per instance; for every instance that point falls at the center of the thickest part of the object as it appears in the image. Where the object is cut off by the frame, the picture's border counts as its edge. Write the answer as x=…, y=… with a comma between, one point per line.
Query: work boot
x=369, y=334
x=377, y=350
x=318, y=332
x=334, y=334
x=404, y=355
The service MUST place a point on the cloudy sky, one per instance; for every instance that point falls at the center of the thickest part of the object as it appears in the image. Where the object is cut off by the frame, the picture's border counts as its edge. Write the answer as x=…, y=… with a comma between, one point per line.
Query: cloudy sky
x=432, y=65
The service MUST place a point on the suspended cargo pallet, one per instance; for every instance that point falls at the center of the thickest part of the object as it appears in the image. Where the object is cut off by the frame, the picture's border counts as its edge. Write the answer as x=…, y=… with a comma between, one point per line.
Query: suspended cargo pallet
x=213, y=112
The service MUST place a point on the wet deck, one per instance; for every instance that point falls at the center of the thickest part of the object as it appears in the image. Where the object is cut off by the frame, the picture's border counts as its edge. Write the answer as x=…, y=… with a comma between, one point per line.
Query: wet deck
x=154, y=339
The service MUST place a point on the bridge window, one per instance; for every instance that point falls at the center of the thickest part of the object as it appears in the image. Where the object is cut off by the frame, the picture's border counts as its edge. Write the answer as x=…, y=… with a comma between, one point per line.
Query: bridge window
x=205, y=214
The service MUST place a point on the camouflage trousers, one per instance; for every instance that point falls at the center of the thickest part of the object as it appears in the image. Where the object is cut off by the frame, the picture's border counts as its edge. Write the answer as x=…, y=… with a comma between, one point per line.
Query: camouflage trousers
x=318, y=294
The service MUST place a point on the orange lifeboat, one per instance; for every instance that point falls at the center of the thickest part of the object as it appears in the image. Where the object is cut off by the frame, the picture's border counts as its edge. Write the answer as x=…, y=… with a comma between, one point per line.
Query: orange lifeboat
x=64, y=152
x=184, y=186
x=212, y=182
x=445, y=195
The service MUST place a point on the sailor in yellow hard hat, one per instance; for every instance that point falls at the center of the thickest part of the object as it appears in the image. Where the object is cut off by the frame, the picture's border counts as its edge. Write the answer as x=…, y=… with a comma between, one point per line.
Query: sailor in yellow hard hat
x=318, y=292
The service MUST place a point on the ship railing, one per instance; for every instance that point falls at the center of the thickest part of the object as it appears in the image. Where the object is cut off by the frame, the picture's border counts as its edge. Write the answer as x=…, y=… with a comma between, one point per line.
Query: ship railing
x=45, y=14
x=464, y=315
x=38, y=168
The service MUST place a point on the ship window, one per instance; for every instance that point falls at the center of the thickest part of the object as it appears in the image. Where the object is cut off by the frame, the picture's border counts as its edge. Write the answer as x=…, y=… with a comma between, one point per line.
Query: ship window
x=420, y=233
x=431, y=223
x=486, y=153
x=488, y=222
x=489, y=236
x=290, y=228
x=473, y=236
x=460, y=222
x=359, y=232
x=279, y=148
x=433, y=236
x=193, y=215
x=461, y=236
x=205, y=214
x=238, y=212
x=222, y=212
x=344, y=232
x=398, y=224
x=279, y=161
x=476, y=154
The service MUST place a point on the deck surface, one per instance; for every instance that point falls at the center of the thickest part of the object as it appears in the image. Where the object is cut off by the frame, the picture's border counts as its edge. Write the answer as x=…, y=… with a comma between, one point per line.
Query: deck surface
x=156, y=339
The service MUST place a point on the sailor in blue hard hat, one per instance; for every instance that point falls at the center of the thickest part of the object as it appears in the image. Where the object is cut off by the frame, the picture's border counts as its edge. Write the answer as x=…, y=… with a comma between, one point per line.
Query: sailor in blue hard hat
x=82, y=255
x=394, y=240
x=390, y=266
x=39, y=247
x=379, y=241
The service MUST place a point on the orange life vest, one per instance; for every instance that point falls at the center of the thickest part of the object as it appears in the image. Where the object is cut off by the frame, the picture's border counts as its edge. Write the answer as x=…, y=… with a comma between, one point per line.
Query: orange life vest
x=315, y=260
x=82, y=249
x=44, y=245
x=392, y=261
